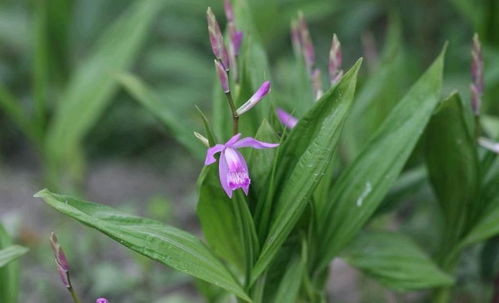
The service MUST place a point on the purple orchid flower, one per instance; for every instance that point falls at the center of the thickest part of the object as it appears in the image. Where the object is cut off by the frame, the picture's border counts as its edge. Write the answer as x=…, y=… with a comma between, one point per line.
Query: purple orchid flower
x=102, y=300
x=285, y=118
x=232, y=169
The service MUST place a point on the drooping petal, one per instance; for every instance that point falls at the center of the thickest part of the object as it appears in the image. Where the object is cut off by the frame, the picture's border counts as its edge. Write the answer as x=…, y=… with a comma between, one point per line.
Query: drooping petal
x=237, y=176
x=223, y=173
x=210, y=154
x=233, y=140
x=257, y=97
x=252, y=142
x=287, y=119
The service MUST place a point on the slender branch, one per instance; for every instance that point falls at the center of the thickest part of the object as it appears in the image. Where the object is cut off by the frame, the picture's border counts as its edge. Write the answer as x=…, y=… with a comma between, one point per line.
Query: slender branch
x=235, y=116
x=73, y=295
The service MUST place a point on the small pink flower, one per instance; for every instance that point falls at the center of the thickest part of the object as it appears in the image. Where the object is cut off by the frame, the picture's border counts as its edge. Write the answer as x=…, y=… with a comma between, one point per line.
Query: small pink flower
x=232, y=169
x=102, y=300
x=285, y=118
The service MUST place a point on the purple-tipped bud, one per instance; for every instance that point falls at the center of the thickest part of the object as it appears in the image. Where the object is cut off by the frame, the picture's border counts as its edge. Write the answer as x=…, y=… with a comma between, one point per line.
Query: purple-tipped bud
x=335, y=61
x=317, y=83
x=222, y=75
x=257, y=97
x=102, y=300
x=236, y=38
x=229, y=12
x=61, y=261
x=306, y=41
x=477, y=85
x=295, y=37
x=217, y=40
x=286, y=119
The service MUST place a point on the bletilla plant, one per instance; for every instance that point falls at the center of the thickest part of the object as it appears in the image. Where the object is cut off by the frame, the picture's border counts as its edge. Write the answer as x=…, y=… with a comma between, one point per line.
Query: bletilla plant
x=270, y=237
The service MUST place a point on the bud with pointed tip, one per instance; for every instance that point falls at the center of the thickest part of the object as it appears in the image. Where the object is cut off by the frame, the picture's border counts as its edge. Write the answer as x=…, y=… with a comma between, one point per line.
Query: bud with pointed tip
x=295, y=37
x=61, y=261
x=222, y=75
x=229, y=12
x=477, y=85
x=335, y=61
x=257, y=97
x=236, y=38
x=306, y=43
x=217, y=40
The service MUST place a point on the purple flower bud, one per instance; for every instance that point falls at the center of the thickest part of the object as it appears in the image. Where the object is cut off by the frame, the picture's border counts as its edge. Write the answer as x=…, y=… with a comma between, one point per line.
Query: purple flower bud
x=232, y=169
x=216, y=39
x=306, y=41
x=229, y=12
x=222, y=75
x=257, y=97
x=285, y=118
x=477, y=85
x=317, y=83
x=335, y=61
x=60, y=261
x=236, y=38
x=101, y=300
x=60, y=257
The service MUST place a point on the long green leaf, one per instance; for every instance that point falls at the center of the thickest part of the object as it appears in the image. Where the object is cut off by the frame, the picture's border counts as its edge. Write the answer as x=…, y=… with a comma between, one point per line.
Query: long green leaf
x=289, y=287
x=302, y=161
x=163, y=110
x=395, y=261
x=168, y=245
x=92, y=87
x=11, y=253
x=452, y=162
x=361, y=188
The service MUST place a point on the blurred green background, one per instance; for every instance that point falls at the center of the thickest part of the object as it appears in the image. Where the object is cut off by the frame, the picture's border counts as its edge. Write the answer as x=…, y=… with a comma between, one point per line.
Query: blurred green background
x=128, y=159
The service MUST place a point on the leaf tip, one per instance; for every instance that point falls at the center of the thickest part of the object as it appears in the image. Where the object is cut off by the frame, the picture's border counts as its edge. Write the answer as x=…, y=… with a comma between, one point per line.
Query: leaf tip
x=41, y=194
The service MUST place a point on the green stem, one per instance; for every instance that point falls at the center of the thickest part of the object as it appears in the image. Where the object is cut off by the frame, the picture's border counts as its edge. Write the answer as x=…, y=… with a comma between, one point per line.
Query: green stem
x=235, y=116
x=74, y=295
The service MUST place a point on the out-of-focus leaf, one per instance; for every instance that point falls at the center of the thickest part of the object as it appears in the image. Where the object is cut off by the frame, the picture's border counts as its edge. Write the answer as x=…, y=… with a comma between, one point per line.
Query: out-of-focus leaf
x=302, y=161
x=379, y=94
x=93, y=85
x=164, y=111
x=486, y=226
x=489, y=259
x=361, y=188
x=395, y=261
x=11, y=253
x=9, y=275
x=291, y=282
x=166, y=244
x=452, y=163
x=490, y=125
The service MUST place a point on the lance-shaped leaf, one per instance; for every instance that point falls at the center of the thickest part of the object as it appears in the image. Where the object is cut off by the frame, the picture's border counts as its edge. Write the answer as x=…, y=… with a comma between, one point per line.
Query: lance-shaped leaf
x=168, y=245
x=11, y=253
x=9, y=274
x=163, y=110
x=486, y=226
x=302, y=161
x=289, y=287
x=452, y=162
x=360, y=189
x=395, y=261
x=93, y=85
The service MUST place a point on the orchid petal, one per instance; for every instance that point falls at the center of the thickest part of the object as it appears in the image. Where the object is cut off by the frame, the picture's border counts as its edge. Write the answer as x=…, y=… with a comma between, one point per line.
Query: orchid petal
x=223, y=172
x=288, y=120
x=233, y=140
x=254, y=143
x=210, y=153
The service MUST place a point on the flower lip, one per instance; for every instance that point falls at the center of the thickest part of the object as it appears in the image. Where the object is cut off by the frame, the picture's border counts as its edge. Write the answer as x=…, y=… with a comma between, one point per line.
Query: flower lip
x=233, y=169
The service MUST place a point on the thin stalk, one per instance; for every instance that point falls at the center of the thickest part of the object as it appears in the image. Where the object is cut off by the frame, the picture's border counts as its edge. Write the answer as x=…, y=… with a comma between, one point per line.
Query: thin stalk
x=235, y=116
x=74, y=295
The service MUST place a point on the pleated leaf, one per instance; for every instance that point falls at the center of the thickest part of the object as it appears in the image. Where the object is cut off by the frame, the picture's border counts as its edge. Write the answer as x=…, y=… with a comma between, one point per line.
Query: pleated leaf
x=168, y=245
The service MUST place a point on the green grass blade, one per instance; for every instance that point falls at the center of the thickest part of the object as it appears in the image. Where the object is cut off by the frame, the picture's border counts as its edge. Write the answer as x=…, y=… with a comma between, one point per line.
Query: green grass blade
x=9, y=274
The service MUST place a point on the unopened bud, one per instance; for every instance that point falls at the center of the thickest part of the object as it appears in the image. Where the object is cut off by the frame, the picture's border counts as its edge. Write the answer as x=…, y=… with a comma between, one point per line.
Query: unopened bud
x=295, y=37
x=202, y=138
x=216, y=40
x=317, y=83
x=306, y=42
x=229, y=12
x=257, y=97
x=286, y=119
x=335, y=61
x=222, y=75
x=60, y=261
